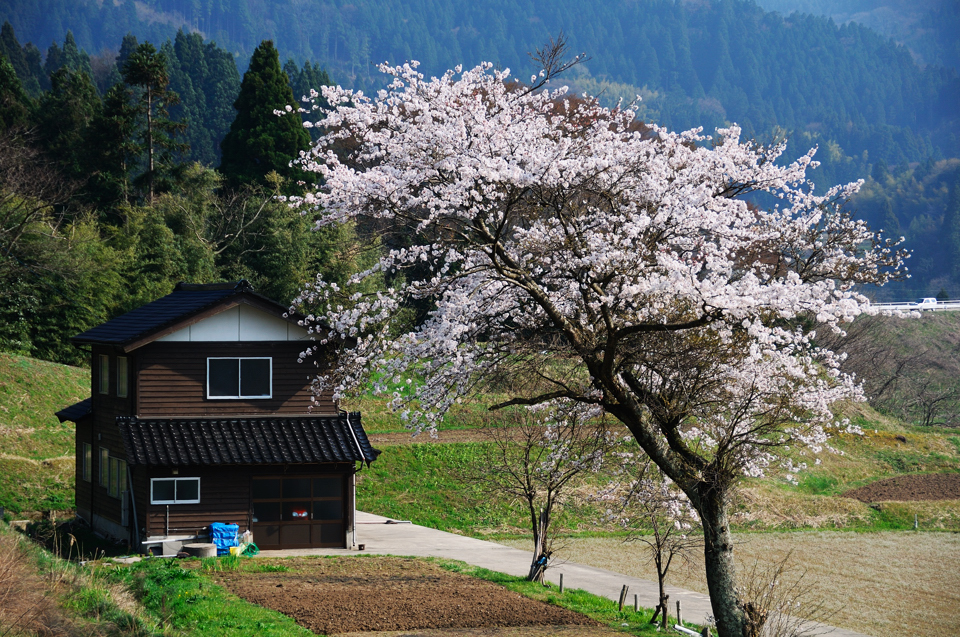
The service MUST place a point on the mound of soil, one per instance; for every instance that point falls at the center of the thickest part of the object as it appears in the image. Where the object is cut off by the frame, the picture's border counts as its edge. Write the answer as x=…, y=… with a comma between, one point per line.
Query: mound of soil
x=933, y=486
x=342, y=595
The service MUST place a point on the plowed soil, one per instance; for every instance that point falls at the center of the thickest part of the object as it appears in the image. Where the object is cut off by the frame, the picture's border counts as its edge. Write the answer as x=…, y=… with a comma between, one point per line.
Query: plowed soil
x=354, y=595
x=934, y=486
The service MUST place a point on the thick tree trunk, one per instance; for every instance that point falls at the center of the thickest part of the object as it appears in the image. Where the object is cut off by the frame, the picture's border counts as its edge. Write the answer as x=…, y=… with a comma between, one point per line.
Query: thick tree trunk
x=718, y=557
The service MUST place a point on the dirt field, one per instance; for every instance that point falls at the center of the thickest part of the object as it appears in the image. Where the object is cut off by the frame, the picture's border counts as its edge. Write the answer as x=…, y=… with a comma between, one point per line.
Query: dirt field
x=935, y=486
x=400, y=597
x=888, y=583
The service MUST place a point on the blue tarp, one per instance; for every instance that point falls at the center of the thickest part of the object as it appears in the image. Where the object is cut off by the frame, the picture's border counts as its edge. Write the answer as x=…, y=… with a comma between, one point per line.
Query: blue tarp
x=224, y=536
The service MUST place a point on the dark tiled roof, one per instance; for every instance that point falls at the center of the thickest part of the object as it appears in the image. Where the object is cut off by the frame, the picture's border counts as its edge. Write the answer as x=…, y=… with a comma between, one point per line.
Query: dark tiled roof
x=276, y=440
x=75, y=412
x=185, y=301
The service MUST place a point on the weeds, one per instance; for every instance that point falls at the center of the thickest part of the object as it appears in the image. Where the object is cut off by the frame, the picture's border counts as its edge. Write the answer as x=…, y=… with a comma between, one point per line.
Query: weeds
x=779, y=604
x=182, y=599
x=601, y=609
x=43, y=594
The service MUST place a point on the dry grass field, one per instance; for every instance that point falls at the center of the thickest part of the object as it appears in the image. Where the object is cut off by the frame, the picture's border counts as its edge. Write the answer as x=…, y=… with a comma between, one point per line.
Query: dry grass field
x=882, y=584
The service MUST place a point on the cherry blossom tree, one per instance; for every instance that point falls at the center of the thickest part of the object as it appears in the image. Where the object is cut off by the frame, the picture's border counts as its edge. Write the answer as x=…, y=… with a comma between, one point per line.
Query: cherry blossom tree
x=656, y=514
x=658, y=276
x=538, y=457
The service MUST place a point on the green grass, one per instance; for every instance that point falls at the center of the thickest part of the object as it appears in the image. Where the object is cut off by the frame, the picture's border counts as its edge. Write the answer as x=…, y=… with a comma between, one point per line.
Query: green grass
x=379, y=419
x=417, y=482
x=188, y=601
x=422, y=483
x=36, y=450
x=915, y=462
x=598, y=608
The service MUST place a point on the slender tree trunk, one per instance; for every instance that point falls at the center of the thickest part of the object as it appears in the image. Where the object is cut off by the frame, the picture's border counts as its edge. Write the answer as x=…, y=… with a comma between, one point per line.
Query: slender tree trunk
x=718, y=557
x=150, y=144
x=538, y=567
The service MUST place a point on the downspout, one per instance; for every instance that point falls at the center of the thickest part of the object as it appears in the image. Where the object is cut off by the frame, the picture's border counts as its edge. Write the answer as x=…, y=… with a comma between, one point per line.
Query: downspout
x=94, y=453
x=353, y=478
x=133, y=505
x=353, y=483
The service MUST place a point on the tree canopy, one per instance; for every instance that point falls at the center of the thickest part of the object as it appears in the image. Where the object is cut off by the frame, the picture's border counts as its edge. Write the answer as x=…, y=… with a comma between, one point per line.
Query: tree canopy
x=260, y=142
x=575, y=256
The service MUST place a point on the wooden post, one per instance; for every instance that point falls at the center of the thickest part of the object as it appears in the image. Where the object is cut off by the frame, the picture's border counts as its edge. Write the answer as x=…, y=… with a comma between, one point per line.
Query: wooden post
x=679, y=621
x=561, y=582
x=636, y=603
x=623, y=595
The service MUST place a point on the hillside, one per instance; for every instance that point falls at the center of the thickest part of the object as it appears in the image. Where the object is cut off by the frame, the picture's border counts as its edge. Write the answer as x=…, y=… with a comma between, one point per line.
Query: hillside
x=37, y=462
x=927, y=27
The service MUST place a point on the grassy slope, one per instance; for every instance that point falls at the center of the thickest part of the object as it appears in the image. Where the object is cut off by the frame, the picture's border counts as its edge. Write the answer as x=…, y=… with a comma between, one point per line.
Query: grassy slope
x=37, y=463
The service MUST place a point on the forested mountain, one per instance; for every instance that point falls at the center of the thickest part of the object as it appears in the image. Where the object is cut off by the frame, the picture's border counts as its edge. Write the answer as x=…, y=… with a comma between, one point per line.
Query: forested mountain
x=929, y=28
x=76, y=111
x=699, y=63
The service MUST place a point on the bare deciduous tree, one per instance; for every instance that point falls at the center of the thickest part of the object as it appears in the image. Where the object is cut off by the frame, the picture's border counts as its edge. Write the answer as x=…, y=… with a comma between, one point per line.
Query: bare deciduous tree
x=537, y=457
x=660, y=516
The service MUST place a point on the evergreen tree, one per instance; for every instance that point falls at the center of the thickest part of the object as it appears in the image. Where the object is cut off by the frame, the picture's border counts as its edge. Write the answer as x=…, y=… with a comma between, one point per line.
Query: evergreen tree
x=146, y=69
x=302, y=81
x=208, y=83
x=113, y=151
x=65, y=113
x=260, y=142
x=10, y=47
x=128, y=45
x=38, y=78
x=15, y=106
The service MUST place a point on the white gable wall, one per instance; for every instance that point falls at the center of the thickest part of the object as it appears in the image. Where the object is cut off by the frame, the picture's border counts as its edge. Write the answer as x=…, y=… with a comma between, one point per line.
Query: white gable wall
x=239, y=323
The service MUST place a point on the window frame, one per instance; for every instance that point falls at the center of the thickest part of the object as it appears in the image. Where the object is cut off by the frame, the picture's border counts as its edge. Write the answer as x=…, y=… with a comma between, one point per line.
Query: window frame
x=113, y=483
x=175, y=479
x=240, y=395
x=86, y=462
x=123, y=376
x=104, y=372
x=103, y=468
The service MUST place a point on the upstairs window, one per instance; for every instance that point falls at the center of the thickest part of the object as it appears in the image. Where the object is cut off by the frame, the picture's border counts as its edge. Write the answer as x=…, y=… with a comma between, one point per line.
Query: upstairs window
x=104, y=374
x=239, y=377
x=122, y=377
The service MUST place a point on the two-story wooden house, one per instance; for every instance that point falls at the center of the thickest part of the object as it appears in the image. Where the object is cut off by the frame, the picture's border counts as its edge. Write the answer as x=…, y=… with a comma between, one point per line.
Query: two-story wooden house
x=200, y=412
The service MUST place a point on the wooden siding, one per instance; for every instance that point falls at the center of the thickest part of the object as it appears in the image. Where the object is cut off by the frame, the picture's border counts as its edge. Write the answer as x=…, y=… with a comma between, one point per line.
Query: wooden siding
x=105, y=433
x=84, y=489
x=224, y=496
x=172, y=381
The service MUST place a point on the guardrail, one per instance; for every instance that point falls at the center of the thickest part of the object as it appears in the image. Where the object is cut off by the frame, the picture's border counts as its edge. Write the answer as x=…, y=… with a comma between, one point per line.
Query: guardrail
x=947, y=306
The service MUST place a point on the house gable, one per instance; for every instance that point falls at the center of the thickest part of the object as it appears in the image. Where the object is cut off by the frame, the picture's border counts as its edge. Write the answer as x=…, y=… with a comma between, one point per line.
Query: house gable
x=242, y=322
x=229, y=312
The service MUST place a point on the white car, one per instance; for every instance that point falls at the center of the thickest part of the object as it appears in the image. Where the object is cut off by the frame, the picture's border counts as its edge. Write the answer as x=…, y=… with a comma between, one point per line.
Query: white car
x=928, y=303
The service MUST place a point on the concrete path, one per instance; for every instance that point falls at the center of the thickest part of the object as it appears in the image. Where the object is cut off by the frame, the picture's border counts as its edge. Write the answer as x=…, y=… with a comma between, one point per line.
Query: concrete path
x=381, y=538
